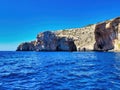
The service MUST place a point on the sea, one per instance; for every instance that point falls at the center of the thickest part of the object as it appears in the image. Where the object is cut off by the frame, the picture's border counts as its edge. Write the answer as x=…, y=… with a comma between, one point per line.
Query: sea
x=59, y=70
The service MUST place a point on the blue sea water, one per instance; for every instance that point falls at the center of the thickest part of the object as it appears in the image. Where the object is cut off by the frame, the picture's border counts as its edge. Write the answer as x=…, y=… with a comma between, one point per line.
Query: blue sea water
x=59, y=71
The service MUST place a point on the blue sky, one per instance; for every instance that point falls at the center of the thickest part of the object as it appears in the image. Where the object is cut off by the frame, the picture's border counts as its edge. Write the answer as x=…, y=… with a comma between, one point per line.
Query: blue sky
x=22, y=20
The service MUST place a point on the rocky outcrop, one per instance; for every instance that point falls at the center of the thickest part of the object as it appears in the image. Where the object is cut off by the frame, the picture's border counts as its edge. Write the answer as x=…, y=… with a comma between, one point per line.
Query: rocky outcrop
x=27, y=46
x=48, y=41
x=84, y=38
x=107, y=35
x=101, y=37
x=66, y=44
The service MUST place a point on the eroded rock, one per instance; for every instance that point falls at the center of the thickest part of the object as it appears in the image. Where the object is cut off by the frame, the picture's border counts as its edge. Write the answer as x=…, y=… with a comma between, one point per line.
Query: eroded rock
x=103, y=36
x=27, y=46
x=106, y=34
x=66, y=44
x=46, y=41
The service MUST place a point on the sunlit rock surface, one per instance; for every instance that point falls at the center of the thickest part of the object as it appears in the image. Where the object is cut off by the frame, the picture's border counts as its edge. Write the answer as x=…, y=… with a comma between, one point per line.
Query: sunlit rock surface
x=48, y=41
x=107, y=35
x=103, y=36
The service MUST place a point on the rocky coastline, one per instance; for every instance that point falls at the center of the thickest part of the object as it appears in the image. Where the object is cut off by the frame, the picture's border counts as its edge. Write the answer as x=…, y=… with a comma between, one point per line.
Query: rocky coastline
x=104, y=36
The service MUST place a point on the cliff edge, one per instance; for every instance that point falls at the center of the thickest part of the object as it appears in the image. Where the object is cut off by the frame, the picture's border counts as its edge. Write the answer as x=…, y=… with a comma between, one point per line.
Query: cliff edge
x=100, y=37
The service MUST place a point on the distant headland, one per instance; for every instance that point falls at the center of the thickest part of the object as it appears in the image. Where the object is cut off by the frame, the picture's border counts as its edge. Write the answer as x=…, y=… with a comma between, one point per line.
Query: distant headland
x=103, y=36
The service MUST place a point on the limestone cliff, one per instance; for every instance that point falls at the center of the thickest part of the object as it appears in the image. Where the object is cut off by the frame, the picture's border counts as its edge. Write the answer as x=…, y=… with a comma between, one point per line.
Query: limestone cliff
x=102, y=36
x=107, y=35
x=84, y=38
x=26, y=46
x=48, y=41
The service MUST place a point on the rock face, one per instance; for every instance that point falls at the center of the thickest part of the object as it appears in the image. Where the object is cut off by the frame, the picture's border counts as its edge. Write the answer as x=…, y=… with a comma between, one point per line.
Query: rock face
x=106, y=35
x=83, y=37
x=48, y=41
x=101, y=37
x=27, y=46
x=66, y=44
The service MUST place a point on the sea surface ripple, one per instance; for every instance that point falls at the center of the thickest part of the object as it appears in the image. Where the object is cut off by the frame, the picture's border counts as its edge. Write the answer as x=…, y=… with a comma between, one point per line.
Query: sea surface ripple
x=59, y=70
